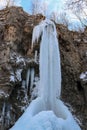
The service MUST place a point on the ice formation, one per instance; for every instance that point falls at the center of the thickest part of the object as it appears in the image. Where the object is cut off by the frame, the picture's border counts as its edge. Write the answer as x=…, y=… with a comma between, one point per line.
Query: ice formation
x=32, y=79
x=27, y=78
x=35, y=58
x=47, y=112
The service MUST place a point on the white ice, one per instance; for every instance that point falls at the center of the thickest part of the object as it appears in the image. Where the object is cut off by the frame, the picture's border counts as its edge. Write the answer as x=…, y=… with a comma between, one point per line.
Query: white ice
x=27, y=78
x=36, y=117
x=32, y=79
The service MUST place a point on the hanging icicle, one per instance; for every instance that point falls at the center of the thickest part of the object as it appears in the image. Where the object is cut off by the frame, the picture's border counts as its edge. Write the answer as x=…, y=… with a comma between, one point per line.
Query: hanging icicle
x=8, y=115
x=3, y=116
x=35, y=57
x=36, y=34
x=32, y=79
x=27, y=79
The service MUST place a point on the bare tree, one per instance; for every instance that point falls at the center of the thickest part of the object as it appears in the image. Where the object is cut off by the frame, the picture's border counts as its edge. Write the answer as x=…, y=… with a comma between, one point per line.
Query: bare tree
x=35, y=6
x=39, y=7
x=77, y=5
x=79, y=8
x=8, y=3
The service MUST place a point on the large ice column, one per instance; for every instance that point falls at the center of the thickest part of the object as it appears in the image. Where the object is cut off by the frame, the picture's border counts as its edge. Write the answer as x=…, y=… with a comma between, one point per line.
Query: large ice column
x=50, y=71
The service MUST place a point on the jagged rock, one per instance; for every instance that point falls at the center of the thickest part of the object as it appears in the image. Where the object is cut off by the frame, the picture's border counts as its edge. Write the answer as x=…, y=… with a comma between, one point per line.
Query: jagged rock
x=16, y=55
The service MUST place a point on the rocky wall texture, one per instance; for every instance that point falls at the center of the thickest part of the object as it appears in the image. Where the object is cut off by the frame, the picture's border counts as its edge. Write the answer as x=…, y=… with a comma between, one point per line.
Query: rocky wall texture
x=17, y=56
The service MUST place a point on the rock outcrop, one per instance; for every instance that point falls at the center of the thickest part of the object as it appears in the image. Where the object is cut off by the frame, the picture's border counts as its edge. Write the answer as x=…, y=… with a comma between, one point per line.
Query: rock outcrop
x=17, y=56
x=73, y=47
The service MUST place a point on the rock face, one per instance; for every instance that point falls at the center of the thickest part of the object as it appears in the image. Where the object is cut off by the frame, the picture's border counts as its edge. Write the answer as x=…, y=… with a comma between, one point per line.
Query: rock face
x=17, y=57
x=73, y=48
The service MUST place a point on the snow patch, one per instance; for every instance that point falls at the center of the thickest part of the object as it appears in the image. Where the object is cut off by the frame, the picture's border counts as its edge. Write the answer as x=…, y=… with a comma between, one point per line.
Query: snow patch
x=17, y=59
x=15, y=76
x=20, y=59
x=2, y=93
x=18, y=74
x=12, y=78
x=83, y=76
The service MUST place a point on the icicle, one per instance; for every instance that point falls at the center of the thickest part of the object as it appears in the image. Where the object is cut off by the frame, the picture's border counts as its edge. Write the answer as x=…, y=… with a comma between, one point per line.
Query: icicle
x=27, y=79
x=32, y=79
x=23, y=84
x=35, y=57
x=3, y=116
x=25, y=90
x=3, y=110
x=38, y=30
x=8, y=116
x=36, y=34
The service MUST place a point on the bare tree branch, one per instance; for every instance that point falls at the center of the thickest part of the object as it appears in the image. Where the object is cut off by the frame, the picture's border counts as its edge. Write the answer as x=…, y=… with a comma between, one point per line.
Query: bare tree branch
x=79, y=8
x=8, y=3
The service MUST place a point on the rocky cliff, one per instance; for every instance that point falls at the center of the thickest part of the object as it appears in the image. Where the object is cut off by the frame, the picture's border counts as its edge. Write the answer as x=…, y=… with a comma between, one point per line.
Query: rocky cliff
x=17, y=58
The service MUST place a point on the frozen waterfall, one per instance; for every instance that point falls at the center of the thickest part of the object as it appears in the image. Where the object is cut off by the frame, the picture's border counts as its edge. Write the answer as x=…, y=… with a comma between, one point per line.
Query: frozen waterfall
x=50, y=74
x=47, y=112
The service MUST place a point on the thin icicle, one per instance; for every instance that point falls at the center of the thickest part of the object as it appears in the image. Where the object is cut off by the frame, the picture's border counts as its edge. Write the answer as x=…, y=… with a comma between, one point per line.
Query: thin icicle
x=3, y=116
x=3, y=110
x=32, y=79
x=8, y=114
x=35, y=57
x=23, y=84
x=27, y=78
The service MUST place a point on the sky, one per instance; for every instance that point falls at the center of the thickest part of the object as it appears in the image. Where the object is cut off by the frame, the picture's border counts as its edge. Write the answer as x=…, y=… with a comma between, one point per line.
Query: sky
x=26, y=4
x=49, y=7
x=52, y=4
